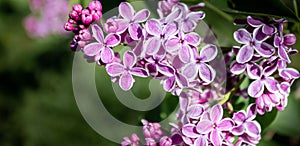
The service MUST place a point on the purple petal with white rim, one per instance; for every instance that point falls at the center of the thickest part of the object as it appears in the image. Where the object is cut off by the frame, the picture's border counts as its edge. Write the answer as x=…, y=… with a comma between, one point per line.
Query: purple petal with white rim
x=112, y=40
x=206, y=73
x=238, y=130
x=182, y=81
x=208, y=53
x=259, y=35
x=196, y=16
x=152, y=45
x=174, y=15
x=256, y=88
x=269, y=70
x=215, y=138
x=129, y=59
x=204, y=127
x=189, y=130
x=264, y=49
x=239, y=117
x=245, y=54
x=172, y=44
x=126, y=10
x=188, y=26
x=114, y=69
x=97, y=33
x=170, y=29
x=190, y=70
x=293, y=73
x=107, y=55
x=126, y=81
x=268, y=30
x=138, y=71
x=169, y=83
x=192, y=38
x=225, y=124
x=254, y=71
x=251, y=112
x=141, y=16
x=185, y=54
x=201, y=141
x=92, y=49
x=153, y=27
x=166, y=70
x=122, y=25
x=195, y=111
x=285, y=88
x=237, y=68
x=254, y=22
x=242, y=36
x=216, y=113
x=252, y=128
x=283, y=54
x=135, y=31
x=271, y=84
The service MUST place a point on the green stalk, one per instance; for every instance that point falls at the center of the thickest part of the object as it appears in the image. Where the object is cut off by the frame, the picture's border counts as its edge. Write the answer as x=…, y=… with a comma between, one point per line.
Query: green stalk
x=218, y=11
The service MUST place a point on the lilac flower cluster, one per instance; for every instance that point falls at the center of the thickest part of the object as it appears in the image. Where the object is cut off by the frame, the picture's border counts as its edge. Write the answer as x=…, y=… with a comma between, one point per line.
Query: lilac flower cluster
x=152, y=133
x=263, y=58
x=79, y=21
x=170, y=50
x=45, y=13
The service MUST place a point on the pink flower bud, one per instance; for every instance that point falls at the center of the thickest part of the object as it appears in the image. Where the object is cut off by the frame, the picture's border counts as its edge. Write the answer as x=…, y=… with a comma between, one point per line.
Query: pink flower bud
x=111, y=26
x=289, y=39
x=86, y=17
x=69, y=27
x=77, y=8
x=95, y=5
x=74, y=15
x=165, y=141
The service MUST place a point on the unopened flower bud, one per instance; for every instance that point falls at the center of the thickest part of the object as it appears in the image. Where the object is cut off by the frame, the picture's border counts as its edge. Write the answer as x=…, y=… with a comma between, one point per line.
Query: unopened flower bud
x=86, y=17
x=77, y=8
x=165, y=141
x=289, y=39
x=69, y=27
x=74, y=15
x=111, y=26
x=95, y=5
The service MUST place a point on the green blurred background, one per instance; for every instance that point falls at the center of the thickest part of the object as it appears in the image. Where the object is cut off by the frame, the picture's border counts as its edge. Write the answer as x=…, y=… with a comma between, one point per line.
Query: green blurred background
x=37, y=105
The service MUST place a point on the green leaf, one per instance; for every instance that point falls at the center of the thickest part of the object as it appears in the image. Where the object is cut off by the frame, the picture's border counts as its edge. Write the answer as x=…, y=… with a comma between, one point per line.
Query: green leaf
x=287, y=121
x=266, y=119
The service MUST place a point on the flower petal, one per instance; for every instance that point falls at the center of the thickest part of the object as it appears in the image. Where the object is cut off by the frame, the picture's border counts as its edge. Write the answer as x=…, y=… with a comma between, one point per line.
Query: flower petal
x=208, y=53
x=238, y=130
x=92, y=49
x=259, y=35
x=204, y=127
x=112, y=40
x=152, y=45
x=225, y=124
x=190, y=70
x=271, y=84
x=252, y=128
x=172, y=45
x=192, y=38
x=268, y=30
x=237, y=68
x=122, y=25
x=189, y=130
x=97, y=33
x=195, y=111
x=153, y=27
x=254, y=22
x=169, y=83
x=114, y=69
x=188, y=25
x=129, y=59
x=245, y=54
x=126, y=10
x=126, y=81
x=141, y=16
x=256, y=88
x=206, y=73
x=107, y=55
x=166, y=70
x=182, y=81
x=283, y=54
x=185, y=54
x=254, y=71
x=138, y=71
x=216, y=113
x=242, y=36
x=170, y=29
x=239, y=117
x=264, y=49
x=215, y=138
x=201, y=141
x=135, y=31
x=251, y=112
